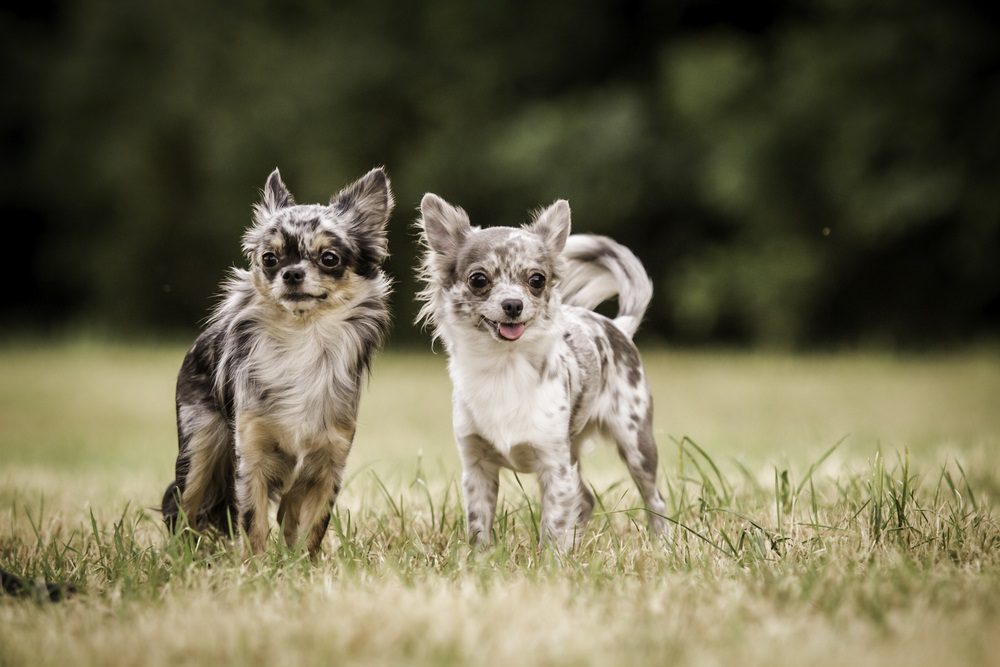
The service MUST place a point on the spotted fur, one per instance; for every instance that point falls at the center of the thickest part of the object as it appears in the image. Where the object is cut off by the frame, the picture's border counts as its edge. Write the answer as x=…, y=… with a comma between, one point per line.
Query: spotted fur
x=267, y=397
x=535, y=370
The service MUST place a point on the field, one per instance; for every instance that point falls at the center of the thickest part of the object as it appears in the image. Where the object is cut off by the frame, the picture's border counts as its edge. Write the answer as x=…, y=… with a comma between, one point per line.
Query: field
x=827, y=510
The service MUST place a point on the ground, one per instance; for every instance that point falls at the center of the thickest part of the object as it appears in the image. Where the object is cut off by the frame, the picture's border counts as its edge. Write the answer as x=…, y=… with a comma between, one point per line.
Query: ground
x=827, y=510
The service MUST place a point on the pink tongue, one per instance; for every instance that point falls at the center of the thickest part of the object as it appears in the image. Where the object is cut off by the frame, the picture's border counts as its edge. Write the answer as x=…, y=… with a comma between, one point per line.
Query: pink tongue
x=511, y=331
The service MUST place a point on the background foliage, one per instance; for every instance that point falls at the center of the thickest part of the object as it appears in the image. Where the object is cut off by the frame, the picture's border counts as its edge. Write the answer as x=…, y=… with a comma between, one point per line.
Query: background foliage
x=810, y=173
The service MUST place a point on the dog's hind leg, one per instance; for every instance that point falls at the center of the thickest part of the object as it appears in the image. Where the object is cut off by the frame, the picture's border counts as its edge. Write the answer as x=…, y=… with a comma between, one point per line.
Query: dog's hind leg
x=204, y=470
x=169, y=507
x=586, y=508
x=633, y=434
x=222, y=512
x=586, y=497
x=566, y=502
x=202, y=474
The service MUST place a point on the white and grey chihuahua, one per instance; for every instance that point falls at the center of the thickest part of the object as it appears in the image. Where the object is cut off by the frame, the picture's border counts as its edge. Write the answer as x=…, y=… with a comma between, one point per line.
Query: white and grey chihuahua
x=267, y=397
x=535, y=371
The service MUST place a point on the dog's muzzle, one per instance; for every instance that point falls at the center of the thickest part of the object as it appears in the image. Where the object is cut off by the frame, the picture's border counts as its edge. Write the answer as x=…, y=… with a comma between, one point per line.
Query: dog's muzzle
x=506, y=330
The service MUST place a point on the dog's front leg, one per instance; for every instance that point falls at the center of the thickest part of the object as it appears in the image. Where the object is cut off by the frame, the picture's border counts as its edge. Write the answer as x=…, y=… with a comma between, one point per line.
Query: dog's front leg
x=254, y=446
x=564, y=502
x=288, y=513
x=480, y=482
x=320, y=478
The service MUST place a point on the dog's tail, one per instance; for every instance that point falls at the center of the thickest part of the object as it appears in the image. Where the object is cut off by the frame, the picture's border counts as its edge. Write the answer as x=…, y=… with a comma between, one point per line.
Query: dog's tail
x=596, y=269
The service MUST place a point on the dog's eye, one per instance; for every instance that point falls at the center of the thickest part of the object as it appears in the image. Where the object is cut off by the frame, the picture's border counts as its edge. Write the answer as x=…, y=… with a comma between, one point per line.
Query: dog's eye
x=329, y=259
x=536, y=281
x=478, y=280
x=269, y=260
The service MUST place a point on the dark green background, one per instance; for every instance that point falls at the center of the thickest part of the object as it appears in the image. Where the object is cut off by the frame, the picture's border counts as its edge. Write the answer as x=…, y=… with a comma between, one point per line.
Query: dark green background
x=804, y=174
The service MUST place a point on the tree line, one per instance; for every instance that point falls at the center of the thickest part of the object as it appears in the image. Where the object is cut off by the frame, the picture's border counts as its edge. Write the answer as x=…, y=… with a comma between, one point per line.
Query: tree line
x=792, y=174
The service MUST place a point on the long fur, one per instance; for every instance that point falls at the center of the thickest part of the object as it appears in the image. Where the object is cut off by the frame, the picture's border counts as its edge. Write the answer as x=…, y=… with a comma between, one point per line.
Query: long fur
x=267, y=397
x=535, y=370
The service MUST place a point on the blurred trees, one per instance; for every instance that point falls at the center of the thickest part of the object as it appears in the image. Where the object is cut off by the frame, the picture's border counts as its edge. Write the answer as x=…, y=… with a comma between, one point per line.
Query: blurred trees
x=791, y=174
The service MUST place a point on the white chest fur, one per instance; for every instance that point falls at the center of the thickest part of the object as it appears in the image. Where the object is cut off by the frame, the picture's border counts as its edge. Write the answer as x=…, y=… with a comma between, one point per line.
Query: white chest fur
x=504, y=399
x=306, y=378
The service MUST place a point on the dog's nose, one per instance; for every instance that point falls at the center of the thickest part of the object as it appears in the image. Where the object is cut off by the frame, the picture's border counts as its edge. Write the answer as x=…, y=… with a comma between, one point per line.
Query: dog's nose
x=293, y=276
x=512, y=307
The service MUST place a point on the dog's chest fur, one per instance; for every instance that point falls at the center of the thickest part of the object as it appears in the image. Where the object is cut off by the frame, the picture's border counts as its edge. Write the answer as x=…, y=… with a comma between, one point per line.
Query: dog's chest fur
x=302, y=378
x=540, y=396
x=506, y=402
x=305, y=376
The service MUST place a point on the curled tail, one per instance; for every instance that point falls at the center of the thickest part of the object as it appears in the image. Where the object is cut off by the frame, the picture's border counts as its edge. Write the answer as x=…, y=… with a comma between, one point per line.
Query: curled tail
x=596, y=269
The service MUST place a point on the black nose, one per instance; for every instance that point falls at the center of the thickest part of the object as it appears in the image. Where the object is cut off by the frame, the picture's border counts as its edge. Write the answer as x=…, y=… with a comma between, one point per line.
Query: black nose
x=293, y=276
x=512, y=307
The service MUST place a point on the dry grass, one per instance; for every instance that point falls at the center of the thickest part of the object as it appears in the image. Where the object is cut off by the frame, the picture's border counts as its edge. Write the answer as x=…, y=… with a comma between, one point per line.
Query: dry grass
x=882, y=550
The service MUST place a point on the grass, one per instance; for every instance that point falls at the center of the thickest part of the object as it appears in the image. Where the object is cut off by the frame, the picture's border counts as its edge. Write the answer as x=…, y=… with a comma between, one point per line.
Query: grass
x=827, y=509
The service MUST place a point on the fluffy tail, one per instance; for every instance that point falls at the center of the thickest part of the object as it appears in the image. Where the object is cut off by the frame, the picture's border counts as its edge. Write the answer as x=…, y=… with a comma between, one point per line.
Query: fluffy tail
x=596, y=269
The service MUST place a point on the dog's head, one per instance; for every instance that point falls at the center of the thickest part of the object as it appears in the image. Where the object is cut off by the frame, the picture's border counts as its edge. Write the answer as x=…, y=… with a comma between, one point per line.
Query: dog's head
x=305, y=258
x=497, y=282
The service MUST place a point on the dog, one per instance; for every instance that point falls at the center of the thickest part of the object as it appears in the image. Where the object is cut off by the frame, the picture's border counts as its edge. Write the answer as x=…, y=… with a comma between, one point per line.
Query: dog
x=535, y=371
x=267, y=396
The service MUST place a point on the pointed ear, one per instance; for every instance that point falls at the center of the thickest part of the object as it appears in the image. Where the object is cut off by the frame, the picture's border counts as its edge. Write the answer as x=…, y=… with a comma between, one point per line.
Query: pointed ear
x=275, y=195
x=444, y=226
x=367, y=203
x=553, y=225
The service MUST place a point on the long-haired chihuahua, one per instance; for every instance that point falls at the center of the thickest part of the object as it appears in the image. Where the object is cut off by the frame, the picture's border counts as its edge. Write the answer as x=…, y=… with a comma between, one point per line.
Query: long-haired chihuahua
x=267, y=397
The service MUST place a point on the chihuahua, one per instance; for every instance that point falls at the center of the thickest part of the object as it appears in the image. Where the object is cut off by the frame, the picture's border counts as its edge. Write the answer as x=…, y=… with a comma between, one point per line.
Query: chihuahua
x=535, y=370
x=267, y=397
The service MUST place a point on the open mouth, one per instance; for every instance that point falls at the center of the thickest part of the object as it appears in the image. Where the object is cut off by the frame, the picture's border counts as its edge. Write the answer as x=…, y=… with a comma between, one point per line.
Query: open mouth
x=507, y=330
x=302, y=296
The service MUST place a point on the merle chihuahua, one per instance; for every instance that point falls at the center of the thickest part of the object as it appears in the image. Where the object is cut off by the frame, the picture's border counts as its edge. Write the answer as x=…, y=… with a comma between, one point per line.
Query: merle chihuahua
x=535, y=371
x=267, y=397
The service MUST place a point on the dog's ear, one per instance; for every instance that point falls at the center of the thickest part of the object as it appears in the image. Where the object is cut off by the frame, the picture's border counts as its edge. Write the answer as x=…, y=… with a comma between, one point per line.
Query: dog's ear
x=367, y=202
x=553, y=225
x=275, y=195
x=444, y=225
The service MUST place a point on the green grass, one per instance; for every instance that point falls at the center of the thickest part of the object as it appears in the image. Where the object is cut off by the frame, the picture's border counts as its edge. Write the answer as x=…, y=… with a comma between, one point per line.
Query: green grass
x=828, y=510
